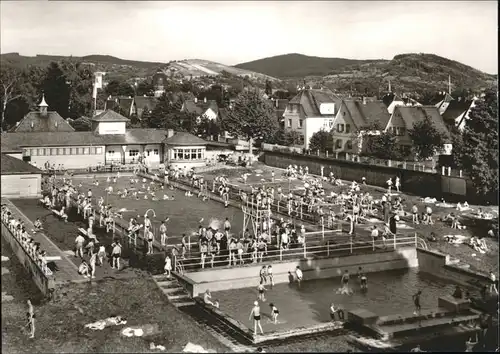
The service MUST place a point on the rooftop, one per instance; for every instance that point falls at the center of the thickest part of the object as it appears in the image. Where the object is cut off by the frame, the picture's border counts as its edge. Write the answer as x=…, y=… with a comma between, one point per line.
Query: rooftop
x=184, y=139
x=412, y=115
x=12, y=142
x=12, y=166
x=36, y=122
x=310, y=100
x=110, y=116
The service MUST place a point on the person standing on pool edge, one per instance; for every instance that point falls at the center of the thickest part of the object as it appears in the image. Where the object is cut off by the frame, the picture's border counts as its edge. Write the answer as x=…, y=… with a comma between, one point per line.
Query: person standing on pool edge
x=299, y=275
x=256, y=317
x=416, y=301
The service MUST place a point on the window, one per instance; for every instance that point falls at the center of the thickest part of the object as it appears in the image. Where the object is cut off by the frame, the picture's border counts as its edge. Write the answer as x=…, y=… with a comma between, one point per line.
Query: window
x=41, y=152
x=187, y=154
x=289, y=123
x=338, y=144
x=340, y=128
x=133, y=153
x=348, y=145
x=347, y=128
x=200, y=154
x=79, y=151
x=86, y=151
x=194, y=154
x=98, y=151
x=60, y=151
x=156, y=152
x=330, y=123
x=301, y=139
x=301, y=123
x=343, y=113
x=68, y=151
x=402, y=131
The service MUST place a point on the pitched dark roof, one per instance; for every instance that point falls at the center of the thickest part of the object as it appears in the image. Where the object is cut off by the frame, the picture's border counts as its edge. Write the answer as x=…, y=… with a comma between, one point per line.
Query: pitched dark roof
x=12, y=166
x=110, y=104
x=200, y=107
x=43, y=124
x=125, y=103
x=390, y=97
x=16, y=141
x=184, y=139
x=455, y=109
x=354, y=108
x=375, y=111
x=145, y=103
x=310, y=101
x=412, y=115
x=110, y=116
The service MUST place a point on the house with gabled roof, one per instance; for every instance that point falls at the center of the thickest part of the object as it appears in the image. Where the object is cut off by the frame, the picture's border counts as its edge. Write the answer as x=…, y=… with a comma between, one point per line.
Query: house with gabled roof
x=403, y=119
x=206, y=108
x=124, y=103
x=310, y=111
x=458, y=112
x=392, y=100
x=42, y=120
x=355, y=118
x=144, y=104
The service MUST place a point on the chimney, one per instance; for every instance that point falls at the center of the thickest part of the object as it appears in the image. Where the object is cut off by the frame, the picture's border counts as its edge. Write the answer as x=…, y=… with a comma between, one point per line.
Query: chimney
x=170, y=133
x=43, y=107
x=205, y=100
x=195, y=100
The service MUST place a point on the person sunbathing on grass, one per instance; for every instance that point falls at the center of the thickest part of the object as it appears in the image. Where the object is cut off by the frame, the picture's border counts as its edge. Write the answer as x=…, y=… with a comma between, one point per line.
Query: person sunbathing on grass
x=38, y=224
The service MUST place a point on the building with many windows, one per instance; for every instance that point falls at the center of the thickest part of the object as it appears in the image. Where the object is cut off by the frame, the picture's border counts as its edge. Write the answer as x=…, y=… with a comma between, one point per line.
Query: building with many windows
x=45, y=137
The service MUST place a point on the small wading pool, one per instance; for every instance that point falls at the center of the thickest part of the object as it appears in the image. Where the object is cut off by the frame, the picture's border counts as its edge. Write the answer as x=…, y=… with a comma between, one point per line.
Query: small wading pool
x=184, y=212
x=389, y=293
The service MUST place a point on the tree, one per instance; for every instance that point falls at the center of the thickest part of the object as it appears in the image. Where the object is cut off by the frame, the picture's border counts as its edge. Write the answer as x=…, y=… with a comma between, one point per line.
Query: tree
x=207, y=128
x=427, y=140
x=478, y=153
x=145, y=88
x=382, y=146
x=322, y=141
x=292, y=137
x=269, y=88
x=11, y=80
x=251, y=117
x=119, y=88
x=81, y=124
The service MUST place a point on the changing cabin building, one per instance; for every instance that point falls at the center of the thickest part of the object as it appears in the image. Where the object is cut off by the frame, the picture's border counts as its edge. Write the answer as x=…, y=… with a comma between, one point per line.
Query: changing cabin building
x=44, y=136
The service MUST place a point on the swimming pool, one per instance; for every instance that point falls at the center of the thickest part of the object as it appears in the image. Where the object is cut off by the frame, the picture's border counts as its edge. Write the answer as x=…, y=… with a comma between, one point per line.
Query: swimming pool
x=389, y=292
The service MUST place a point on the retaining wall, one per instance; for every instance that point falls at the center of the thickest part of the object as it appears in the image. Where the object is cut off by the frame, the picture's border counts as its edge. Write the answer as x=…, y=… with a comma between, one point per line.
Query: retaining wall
x=46, y=283
x=416, y=182
x=438, y=264
x=242, y=277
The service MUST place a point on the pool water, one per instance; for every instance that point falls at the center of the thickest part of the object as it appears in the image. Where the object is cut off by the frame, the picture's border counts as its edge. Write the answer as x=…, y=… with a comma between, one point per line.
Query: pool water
x=389, y=293
x=184, y=212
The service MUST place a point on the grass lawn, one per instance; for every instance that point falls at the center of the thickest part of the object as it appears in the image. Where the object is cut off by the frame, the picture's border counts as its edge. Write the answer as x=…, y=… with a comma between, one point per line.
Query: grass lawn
x=60, y=324
x=324, y=344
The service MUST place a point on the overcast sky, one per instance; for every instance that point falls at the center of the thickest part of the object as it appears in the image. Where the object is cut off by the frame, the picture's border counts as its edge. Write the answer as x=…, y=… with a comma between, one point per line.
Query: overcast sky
x=236, y=32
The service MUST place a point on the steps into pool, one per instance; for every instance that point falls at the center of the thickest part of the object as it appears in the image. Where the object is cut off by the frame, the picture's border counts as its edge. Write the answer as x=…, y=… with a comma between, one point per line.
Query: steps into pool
x=176, y=294
x=449, y=313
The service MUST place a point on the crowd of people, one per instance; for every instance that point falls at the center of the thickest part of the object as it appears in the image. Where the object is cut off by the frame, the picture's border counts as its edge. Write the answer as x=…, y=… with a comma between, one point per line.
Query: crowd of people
x=19, y=230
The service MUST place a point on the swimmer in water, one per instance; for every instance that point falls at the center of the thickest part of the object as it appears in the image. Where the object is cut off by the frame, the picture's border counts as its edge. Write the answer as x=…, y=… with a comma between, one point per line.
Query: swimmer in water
x=274, y=313
x=261, y=290
x=256, y=317
x=362, y=281
x=345, y=283
x=416, y=301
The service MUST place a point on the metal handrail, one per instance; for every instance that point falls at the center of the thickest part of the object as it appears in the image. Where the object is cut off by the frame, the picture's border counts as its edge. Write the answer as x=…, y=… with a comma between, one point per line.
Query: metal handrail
x=299, y=252
x=43, y=266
